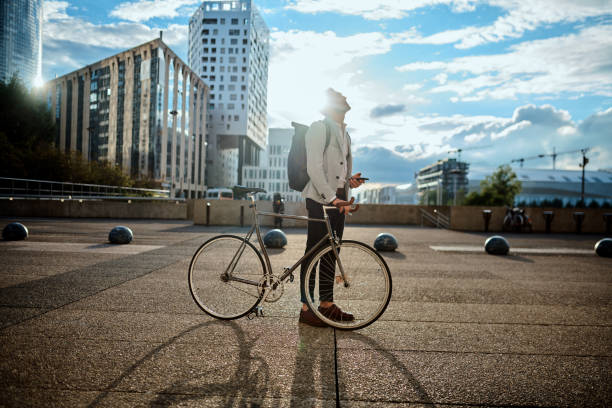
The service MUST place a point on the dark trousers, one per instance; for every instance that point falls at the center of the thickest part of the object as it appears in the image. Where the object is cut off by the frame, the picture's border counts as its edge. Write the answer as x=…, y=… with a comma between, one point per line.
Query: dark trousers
x=316, y=231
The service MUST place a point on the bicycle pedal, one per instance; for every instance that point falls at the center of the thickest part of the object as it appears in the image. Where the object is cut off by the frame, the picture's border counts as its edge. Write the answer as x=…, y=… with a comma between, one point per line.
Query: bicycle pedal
x=259, y=312
x=291, y=277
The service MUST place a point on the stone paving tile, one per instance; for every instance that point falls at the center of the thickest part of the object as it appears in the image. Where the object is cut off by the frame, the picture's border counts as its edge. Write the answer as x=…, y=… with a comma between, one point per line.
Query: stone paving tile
x=453, y=295
x=473, y=379
x=251, y=368
x=482, y=338
x=164, y=300
x=8, y=270
x=69, y=399
x=498, y=313
x=65, y=364
x=50, y=260
x=161, y=327
x=12, y=315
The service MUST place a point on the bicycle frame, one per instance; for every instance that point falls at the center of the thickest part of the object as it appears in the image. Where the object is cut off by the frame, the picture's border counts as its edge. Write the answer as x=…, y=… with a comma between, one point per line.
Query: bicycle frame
x=287, y=271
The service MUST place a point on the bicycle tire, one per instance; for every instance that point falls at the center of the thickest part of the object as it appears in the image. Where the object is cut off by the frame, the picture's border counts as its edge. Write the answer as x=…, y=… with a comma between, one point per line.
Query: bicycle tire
x=209, y=291
x=358, y=276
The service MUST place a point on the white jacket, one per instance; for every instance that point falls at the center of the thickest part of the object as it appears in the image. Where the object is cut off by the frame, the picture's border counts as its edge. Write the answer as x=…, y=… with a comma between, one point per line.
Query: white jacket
x=325, y=166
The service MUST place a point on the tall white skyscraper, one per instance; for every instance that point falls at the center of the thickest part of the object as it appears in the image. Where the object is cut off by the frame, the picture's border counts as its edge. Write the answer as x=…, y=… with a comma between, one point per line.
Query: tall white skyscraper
x=229, y=49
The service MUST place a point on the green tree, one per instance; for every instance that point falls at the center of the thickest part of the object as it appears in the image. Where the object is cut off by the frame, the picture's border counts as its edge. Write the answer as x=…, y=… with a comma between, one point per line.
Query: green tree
x=25, y=126
x=27, y=148
x=498, y=189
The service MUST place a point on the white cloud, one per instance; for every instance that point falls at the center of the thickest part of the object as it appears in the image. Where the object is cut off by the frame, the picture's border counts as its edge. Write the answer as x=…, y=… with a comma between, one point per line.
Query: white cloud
x=519, y=16
x=510, y=129
x=475, y=137
x=567, y=130
x=374, y=10
x=143, y=10
x=72, y=42
x=55, y=10
x=412, y=87
x=441, y=78
x=59, y=26
x=530, y=131
x=575, y=63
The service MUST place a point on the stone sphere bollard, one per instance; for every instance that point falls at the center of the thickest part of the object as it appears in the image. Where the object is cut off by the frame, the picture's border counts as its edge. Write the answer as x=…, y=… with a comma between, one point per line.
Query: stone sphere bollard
x=120, y=235
x=603, y=247
x=497, y=245
x=15, y=231
x=385, y=242
x=275, y=239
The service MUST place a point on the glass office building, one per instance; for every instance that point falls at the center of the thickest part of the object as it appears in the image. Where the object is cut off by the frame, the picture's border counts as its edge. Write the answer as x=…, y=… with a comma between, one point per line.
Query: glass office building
x=21, y=40
x=142, y=109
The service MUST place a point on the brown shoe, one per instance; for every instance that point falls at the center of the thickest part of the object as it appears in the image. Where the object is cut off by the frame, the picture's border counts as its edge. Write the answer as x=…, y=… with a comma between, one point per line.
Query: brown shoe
x=309, y=318
x=334, y=313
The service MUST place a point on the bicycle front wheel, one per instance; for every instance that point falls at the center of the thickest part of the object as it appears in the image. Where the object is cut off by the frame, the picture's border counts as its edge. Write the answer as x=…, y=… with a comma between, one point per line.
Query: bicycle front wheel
x=364, y=292
x=224, y=275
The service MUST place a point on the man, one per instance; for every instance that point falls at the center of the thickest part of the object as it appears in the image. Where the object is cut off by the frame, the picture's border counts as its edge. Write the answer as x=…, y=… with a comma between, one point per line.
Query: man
x=278, y=206
x=329, y=169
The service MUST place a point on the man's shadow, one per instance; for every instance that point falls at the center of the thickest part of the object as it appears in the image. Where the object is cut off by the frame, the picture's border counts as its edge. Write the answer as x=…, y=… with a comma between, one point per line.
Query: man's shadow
x=312, y=349
x=315, y=349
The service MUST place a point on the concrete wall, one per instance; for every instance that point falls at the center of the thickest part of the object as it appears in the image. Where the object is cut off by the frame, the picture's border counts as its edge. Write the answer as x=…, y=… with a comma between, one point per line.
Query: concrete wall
x=223, y=212
x=468, y=218
x=392, y=214
x=94, y=209
x=228, y=212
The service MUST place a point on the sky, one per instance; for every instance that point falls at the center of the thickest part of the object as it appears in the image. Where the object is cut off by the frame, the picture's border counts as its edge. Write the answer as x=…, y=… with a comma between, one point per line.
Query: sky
x=499, y=79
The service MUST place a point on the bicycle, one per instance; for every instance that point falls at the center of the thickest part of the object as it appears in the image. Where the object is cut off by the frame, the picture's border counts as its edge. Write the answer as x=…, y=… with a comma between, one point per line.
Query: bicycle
x=229, y=278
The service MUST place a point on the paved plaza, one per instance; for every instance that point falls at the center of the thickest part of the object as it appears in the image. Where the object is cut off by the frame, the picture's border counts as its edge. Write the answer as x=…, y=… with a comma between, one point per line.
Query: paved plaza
x=89, y=324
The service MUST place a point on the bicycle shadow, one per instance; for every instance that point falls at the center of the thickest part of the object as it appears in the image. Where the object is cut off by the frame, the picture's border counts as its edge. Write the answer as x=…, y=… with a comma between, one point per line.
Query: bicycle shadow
x=408, y=378
x=244, y=387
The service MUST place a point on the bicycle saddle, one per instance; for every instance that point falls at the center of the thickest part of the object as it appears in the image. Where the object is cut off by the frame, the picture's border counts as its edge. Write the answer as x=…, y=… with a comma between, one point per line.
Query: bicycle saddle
x=248, y=190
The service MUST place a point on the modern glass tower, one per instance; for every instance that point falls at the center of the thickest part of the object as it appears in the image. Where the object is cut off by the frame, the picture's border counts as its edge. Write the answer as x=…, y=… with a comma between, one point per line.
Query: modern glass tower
x=229, y=49
x=142, y=109
x=21, y=40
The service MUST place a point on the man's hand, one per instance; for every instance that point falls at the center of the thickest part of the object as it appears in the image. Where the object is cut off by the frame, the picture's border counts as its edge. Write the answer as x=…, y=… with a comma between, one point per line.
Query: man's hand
x=355, y=180
x=345, y=206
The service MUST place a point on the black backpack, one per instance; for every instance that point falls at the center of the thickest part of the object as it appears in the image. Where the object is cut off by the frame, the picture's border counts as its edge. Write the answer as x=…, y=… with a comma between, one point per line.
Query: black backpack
x=296, y=163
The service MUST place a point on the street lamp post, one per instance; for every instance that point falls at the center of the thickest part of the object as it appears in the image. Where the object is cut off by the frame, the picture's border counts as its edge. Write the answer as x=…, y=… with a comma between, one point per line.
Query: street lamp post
x=585, y=161
x=173, y=112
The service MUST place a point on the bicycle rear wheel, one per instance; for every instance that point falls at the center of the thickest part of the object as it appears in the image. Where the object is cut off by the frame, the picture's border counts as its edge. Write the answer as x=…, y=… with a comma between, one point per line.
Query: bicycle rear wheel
x=366, y=292
x=214, y=272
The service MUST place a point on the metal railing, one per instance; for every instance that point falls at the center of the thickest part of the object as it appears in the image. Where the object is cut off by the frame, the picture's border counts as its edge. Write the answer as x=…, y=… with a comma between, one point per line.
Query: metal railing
x=28, y=188
x=437, y=218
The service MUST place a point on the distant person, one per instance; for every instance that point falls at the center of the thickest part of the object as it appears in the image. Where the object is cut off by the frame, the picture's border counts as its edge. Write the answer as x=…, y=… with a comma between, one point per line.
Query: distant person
x=329, y=168
x=278, y=206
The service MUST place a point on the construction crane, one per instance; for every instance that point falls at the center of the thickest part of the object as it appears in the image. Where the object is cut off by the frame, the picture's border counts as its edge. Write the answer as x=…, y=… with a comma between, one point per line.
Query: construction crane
x=554, y=155
x=458, y=151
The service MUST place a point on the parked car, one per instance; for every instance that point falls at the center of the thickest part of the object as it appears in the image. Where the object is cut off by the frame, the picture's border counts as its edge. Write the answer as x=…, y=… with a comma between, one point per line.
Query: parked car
x=219, y=194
